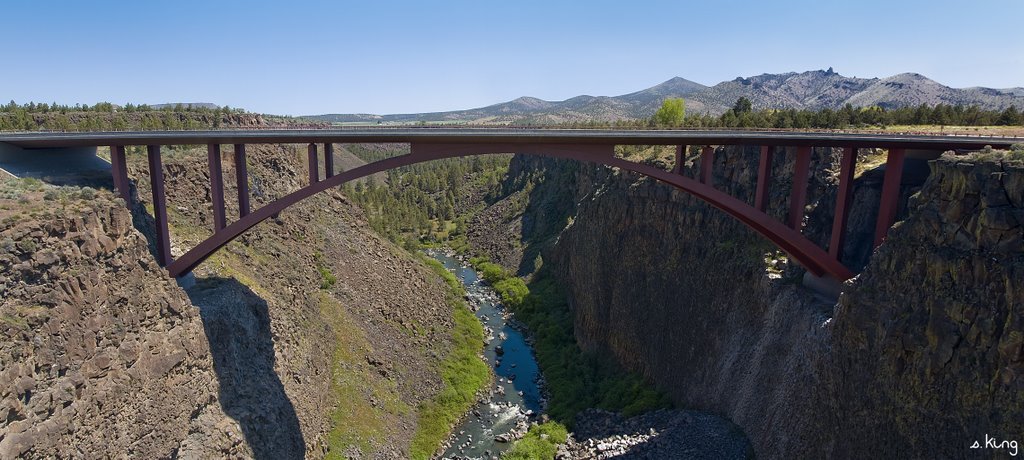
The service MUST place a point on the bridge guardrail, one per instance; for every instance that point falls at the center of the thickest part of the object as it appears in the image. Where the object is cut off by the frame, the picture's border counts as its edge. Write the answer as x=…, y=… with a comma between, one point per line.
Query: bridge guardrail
x=486, y=127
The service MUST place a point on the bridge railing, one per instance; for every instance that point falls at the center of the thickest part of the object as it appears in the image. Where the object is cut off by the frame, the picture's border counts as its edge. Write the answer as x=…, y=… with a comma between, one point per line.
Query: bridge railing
x=482, y=127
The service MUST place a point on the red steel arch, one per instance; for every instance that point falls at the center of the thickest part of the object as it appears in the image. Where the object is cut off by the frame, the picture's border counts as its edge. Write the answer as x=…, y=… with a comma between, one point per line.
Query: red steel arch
x=803, y=251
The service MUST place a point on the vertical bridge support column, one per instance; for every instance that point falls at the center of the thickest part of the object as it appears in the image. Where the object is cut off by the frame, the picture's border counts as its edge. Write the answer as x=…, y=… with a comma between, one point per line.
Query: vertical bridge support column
x=707, y=161
x=798, y=194
x=216, y=187
x=156, y=179
x=680, y=157
x=890, y=194
x=314, y=173
x=764, y=178
x=242, y=179
x=846, y=166
x=328, y=160
x=119, y=168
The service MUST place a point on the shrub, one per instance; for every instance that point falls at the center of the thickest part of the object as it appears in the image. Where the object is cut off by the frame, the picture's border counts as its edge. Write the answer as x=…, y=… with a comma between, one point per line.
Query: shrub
x=541, y=442
x=476, y=261
x=31, y=183
x=1016, y=153
x=327, y=279
x=27, y=245
x=512, y=291
x=492, y=272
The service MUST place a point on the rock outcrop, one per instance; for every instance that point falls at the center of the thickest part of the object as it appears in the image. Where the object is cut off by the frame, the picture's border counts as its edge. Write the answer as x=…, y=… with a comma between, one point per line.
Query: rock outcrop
x=101, y=350
x=308, y=334
x=928, y=342
x=658, y=434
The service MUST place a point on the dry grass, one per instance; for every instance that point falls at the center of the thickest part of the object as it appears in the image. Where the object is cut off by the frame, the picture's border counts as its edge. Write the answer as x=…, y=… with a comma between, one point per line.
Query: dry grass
x=971, y=130
x=356, y=421
x=869, y=160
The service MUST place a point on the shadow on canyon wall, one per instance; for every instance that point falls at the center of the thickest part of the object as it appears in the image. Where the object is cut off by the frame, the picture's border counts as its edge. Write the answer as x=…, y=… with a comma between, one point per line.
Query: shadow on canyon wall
x=237, y=325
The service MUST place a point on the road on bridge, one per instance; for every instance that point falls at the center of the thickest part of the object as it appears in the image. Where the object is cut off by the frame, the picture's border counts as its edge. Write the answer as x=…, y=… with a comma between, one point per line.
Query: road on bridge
x=31, y=140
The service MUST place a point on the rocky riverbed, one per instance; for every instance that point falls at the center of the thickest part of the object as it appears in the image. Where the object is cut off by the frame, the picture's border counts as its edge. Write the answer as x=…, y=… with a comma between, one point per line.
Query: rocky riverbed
x=656, y=435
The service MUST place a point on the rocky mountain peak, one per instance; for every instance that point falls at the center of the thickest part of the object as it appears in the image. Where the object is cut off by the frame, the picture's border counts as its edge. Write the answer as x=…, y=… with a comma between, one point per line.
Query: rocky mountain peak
x=813, y=90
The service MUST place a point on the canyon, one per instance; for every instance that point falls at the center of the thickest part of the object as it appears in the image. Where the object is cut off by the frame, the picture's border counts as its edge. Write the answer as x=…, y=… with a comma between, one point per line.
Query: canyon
x=919, y=357
x=312, y=336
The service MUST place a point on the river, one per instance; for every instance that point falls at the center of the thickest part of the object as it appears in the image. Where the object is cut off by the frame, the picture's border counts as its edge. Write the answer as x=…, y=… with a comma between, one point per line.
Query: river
x=515, y=398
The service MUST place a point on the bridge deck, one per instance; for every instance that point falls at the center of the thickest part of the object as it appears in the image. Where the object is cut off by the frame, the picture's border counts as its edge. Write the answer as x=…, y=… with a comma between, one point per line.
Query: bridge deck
x=579, y=144
x=504, y=136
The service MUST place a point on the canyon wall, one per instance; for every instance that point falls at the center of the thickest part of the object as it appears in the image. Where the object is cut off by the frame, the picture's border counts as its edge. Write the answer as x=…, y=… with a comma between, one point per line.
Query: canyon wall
x=911, y=361
x=699, y=304
x=928, y=342
x=101, y=350
x=346, y=330
x=308, y=334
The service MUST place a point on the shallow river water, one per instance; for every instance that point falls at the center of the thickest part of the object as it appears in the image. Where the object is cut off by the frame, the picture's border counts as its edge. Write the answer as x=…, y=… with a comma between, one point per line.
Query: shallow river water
x=515, y=398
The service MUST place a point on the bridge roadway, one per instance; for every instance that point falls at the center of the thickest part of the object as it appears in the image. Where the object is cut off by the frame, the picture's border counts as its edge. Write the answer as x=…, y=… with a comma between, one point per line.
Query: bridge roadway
x=428, y=135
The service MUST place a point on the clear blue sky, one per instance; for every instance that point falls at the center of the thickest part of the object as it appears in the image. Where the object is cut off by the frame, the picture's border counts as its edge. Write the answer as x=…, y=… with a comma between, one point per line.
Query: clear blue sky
x=380, y=56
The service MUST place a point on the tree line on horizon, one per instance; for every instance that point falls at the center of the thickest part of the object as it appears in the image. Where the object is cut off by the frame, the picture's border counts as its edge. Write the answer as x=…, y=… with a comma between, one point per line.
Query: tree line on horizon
x=672, y=113
x=105, y=116
x=107, y=107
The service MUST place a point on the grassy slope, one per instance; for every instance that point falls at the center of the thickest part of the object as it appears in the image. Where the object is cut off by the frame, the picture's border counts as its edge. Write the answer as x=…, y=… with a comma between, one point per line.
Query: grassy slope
x=368, y=403
x=463, y=371
x=356, y=422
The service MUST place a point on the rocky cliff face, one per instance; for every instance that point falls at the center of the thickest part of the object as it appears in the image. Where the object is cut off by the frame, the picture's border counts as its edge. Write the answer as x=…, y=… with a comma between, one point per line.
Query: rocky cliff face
x=928, y=342
x=101, y=351
x=308, y=334
x=695, y=301
x=919, y=358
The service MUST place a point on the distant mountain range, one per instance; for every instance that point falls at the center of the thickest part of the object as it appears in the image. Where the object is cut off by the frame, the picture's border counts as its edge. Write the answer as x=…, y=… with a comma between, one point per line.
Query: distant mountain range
x=816, y=89
x=188, y=105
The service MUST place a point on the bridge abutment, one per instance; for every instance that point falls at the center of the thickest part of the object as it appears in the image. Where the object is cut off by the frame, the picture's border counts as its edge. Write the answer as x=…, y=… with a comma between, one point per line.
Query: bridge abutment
x=826, y=286
x=50, y=163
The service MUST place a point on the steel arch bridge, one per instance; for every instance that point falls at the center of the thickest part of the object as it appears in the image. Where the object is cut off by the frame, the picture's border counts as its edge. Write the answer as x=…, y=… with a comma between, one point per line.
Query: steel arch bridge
x=585, y=145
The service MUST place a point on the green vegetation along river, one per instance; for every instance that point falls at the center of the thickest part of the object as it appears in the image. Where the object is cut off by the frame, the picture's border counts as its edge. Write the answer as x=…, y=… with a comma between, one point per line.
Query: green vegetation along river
x=516, y=396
